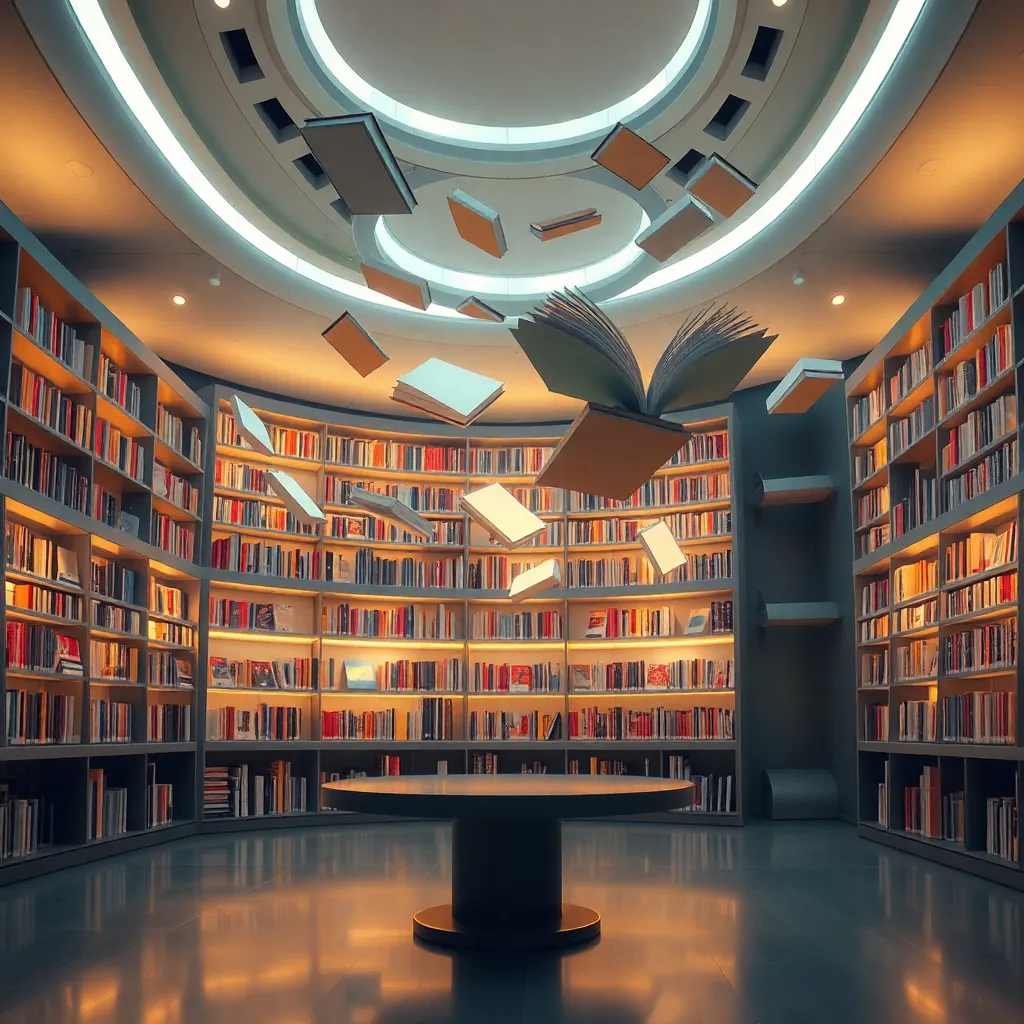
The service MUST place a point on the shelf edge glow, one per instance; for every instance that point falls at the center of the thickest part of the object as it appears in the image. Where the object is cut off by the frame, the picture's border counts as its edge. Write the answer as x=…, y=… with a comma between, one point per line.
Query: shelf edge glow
x=97, y=31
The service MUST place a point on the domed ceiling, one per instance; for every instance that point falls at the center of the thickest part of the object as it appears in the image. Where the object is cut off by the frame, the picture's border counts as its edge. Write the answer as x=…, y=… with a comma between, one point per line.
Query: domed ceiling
x=200, y=101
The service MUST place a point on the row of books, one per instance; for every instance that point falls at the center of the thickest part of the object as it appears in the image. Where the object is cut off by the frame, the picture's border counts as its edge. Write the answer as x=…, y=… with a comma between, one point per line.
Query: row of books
x=34, y=716
x=521, y=460
x=495, y=572
x=516, y=625
x=874, y=596
x=175, y=489
x=26, y=824
x=116, y=581
x=257, y=514
x=303, y=444
x=627, y=571
x=972, y=376
x=996, y=469
x=276, y=674
x=372, y=528
x=987, y=593
x=263, y=558
x=262, y=616
x=684, y=526
x=30, y=552
x=918, y=721
x=110, y=721
x=869, y=460
x=43, y=326
x=113, y=616
x=684, y=674
x=106, y=807
x=421, y=499
x=174, y=537
x=396, y=455
x=105, y=506
x=874, y=629
x=916, y=660
x=170, y=670
x=37, y=648
x=659, y=491
x=980, y=551
x=34, y=598
x=911, y=428
x=982, y=428
x=118, y=386
x=618, y=723
x=988, y=716
x=876, y=723
x=169, y=723
x=185, y=438
x=1002, y=826
x=108, y=660
x=241, y=792
x=43, y=401
x=973, y=309
x=630, y=622
x=432, y=719
x=910, y=373
x=409, y=622
x=909, y=581
x=375, y=570
x=536, y=678
x=165, y=599
x=177, y=633
x=922, y=804
x=263, y=722
x=992, y=645
x=119, y=449
x=873, y=539
x=50, y=475
x=874, y=669
x=872, y=504
x=711, y=793
x=920, y=506
x=711, y=446
x=514, y=725
x=866, y=409
x=159, y=799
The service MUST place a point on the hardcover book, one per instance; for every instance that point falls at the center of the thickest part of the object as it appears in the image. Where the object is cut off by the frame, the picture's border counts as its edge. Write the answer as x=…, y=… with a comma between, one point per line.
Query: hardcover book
x=355, y=345
x=67, y=660
x=661, y=547
x=536, y=580
x=680, y=224
x=581, y=677
x=359, y=674
x=566, y=224
x=621, y=437
x=630, y=157
x=477, y=223
x=507, y=520
x=447, y=392
x=220, y=672
x=251, y=427
x=262, y=676
x=284, y=618
x=392, y=509
x=657, y=677
x=520, y=680
x=479, y=310
x=128, y=524
x=294, y=498
x=402, y=287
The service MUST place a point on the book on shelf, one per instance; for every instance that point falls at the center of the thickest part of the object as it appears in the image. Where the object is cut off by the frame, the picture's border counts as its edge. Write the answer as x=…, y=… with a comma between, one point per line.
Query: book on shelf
x=973, y=309
x=119, y=387
x=996, y=469
x=185, y=439
x=45, y=473
x=32, y=597
x=698, y=622
x=26, y=822
x=620, y=439
x=67, y=566
x=43, y=401
x=40, y=717
x=972, y=376
x=682, y=675
x=542, y=677
x=624, y=723
x=447, y=392
x=169, y=723
x=505, y=518
x=50, y=333
x=263, y=722
x=359, y=674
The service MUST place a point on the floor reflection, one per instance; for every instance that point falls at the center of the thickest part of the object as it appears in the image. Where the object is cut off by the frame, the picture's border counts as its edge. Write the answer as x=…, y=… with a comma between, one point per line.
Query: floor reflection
x=772, y=923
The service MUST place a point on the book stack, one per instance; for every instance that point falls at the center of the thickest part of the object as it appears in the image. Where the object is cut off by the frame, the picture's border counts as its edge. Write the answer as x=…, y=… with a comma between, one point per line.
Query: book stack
x=169, y=723
x=107, y=812
x=219, y=800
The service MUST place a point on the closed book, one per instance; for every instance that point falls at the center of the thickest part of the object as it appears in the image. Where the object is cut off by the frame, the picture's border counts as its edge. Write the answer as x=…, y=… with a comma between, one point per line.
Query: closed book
x=355, y=345
x=661, y=547
x=447, y=392
x=505, y=518
x=536, y=580
x=359, y=674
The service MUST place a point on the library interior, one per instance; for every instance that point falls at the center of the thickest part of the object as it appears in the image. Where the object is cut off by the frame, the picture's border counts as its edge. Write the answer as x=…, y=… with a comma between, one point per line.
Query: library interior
x=432, y=596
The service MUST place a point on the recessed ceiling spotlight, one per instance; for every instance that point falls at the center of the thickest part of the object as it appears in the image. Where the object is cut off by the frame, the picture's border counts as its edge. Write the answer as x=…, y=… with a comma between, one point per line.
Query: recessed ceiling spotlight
x=78, y=169
x=222, y=3
x=838, y=300
x=779, y=3
x=179, y=300
x=798, y=277
x=930, y=167
x=215, y=278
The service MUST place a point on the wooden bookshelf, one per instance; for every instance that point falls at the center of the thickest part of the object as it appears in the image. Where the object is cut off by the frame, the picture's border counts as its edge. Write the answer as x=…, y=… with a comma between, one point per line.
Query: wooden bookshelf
x=931, y=722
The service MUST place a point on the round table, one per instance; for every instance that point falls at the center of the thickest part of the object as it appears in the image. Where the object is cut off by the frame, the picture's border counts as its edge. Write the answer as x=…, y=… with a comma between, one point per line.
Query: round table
x=507, y=846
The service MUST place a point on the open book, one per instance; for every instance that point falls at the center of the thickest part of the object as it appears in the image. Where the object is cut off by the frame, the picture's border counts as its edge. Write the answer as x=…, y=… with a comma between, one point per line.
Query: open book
x=580, y=353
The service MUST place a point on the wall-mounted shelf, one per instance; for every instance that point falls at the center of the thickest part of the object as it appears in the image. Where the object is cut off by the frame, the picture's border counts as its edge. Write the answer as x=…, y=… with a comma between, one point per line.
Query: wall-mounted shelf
x=799, y=613
x=791, y=490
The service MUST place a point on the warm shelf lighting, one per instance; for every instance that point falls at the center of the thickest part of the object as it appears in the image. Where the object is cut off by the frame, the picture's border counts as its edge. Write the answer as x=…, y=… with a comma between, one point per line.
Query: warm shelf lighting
x=366, y=641
x=178, y=300
x=838, y=300
x=653, y=641
x=504, y=645
x=271, y=638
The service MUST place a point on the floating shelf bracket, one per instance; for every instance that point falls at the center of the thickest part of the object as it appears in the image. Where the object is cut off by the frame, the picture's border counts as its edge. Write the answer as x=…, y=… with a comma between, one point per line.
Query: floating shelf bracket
x=791, y=490
x=801, y=613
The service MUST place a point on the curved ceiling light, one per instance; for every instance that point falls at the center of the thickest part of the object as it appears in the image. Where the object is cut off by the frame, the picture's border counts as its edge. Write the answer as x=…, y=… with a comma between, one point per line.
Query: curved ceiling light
x=96, y=29
x=421, y=122
x=511, y=284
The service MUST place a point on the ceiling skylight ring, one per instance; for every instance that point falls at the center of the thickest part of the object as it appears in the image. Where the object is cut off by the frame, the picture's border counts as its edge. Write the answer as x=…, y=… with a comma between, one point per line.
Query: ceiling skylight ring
x=97, y=31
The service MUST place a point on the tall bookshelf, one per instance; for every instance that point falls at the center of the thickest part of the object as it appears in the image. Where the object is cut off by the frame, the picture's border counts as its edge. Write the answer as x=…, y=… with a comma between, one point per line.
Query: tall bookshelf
x=458, y=621
x=934, y=427
x=106, y=755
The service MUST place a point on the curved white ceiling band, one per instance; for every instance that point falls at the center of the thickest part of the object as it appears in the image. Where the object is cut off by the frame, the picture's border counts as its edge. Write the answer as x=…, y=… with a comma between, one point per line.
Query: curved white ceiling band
x=510, y=284
x=97, y=30
x=421, y=122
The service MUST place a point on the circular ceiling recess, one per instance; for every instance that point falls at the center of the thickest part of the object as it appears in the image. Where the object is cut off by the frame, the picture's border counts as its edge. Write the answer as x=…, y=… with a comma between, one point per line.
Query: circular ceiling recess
x=531, y=62
x=429, y=232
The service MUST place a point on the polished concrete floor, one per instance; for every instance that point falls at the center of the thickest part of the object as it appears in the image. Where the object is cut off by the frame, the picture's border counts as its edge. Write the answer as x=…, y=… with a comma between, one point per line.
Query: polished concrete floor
x=775, y=923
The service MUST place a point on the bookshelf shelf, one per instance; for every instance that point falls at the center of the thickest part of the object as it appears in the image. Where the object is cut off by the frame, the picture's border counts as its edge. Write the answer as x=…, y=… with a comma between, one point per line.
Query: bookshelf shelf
x=794, y=490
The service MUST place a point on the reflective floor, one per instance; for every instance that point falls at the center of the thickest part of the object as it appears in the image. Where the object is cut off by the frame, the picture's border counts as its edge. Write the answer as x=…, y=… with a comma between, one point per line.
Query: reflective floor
x=775, y=923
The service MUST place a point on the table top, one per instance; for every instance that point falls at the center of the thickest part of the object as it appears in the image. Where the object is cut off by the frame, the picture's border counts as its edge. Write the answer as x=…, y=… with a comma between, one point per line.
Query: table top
x=505, y=796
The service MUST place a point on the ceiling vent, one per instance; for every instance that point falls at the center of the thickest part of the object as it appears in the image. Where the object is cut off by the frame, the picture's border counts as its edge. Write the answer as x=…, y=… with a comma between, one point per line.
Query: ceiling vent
x=310, y=169
x=276, y=118
x=762, y=53
x=681, y=170
x=729, y=115
x=239, y=52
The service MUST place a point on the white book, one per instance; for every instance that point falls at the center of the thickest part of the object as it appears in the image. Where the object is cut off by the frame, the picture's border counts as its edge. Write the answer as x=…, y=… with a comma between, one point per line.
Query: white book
x=447, y=392
x=661, y=547
x=505, y=518
x=295, y=499
x=392, y=509
x=536, y=580
x=251, y=427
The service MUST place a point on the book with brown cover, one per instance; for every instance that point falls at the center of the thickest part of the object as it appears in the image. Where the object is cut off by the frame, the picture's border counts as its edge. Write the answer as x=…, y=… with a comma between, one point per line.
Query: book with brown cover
x=355, y=345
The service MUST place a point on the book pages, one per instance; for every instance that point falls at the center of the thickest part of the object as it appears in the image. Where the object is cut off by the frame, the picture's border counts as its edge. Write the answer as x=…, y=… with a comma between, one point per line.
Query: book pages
x=251, y=427
x=505, y=518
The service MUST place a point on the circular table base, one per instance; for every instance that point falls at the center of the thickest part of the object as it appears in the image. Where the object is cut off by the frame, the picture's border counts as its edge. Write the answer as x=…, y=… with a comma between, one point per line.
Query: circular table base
x=436, y=925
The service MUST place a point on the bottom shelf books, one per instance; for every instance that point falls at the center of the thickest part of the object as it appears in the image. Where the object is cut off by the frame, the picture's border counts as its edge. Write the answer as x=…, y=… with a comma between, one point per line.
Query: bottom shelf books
x=159, y=799
x=107, y=807
x=484, y=764
x=513, y=725
x=883, y=799
x=240, y=792
x=922, y=804
x=600, y=766
x=432, y=719
x=710, y=792
x=876, y=723
x=40, y=717
x=26, y=824
x=617, y=723
x=264, y=722
x=110, y=721
x=1002, y=828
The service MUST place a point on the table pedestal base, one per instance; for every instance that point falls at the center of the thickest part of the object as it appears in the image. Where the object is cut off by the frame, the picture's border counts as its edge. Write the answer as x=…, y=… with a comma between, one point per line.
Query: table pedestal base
x=576, y=925
x=507, y=890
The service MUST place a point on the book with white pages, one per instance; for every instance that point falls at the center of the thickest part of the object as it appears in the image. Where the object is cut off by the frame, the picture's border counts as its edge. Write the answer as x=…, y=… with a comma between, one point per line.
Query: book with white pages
x=661, y=547
x=509, y=521
x=805, y=383
x=392, y=509
x=447, y=392
x=536, y=580
x=67, y=567
x=251, y=428
x=294, y=498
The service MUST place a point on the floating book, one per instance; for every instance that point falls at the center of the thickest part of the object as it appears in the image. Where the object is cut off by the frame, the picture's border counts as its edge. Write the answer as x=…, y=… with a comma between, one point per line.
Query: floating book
x=477, y=223
x=536, y=580
x=447, y=392
x=412, y=291
x=479, y=310
x=804, y=385
x=392, y=509
x=355, y=345
x=356, y=157
x=661, y=547
x=580, y=353
x=567, y=224
x=716, y=183
x=294, y=498
x=505, y=518
x=251, y=427
x=629, y=157
x=679, y=225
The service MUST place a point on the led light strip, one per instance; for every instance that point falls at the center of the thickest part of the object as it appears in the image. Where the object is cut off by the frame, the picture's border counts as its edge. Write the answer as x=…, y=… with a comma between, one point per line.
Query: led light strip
x=97, y=30
x=421, y=122
x=510, y=285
